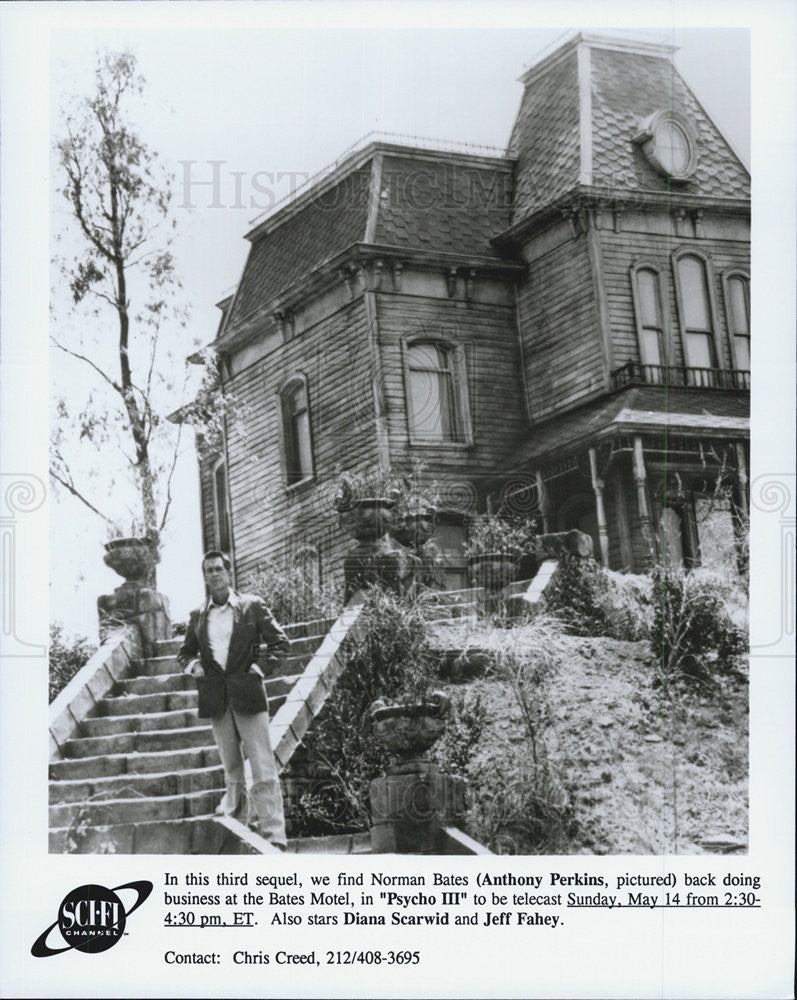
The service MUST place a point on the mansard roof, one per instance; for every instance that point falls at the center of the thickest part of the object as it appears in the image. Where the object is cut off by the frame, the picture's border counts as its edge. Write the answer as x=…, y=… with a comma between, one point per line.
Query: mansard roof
x=385, y=195
x=574, y=134
x=581, y=110
x=287, y=247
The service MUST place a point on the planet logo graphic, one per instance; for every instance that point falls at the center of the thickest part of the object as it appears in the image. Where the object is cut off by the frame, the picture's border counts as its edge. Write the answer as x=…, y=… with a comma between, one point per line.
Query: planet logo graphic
x=91, y=919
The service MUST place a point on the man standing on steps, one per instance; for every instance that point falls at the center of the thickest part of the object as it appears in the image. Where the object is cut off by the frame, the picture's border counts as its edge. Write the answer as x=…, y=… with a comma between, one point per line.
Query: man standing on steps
x=220, y=650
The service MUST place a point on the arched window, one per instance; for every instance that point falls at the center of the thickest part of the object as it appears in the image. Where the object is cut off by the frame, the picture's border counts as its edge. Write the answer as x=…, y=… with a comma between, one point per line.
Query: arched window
x=220, y=507
x=296, y=431
x=737, y=309
x=697, y=317
x=649, y=292
x=436, y=390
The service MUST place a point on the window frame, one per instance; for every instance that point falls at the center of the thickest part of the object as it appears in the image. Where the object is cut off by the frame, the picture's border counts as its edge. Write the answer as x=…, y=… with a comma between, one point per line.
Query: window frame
x=456, y=352
x=727, y=277
x=666, y=340
x=713, y=332
x=288, y=457
x=218, y=541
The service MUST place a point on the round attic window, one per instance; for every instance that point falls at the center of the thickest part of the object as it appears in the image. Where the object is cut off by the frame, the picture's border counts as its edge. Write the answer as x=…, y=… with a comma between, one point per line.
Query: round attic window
x=669, y=141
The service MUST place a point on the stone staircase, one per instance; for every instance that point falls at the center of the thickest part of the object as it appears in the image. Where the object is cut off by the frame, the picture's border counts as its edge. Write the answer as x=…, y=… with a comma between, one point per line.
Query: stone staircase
x=142, y=773
x=134, y=770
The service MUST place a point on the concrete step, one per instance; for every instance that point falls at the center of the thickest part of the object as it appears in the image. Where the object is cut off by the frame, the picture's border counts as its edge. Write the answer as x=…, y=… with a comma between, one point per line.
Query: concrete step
x=194, y=835
x=112, y=725
x=124, y=786
x=138, y=704
x=171, y=684
x=305, y=644
x=160, y=684
x=169, y=739
x=157, y=666
x=135, y=809
x=320, y=627
x=154, y=666
x=113, y=765
x=336, y=843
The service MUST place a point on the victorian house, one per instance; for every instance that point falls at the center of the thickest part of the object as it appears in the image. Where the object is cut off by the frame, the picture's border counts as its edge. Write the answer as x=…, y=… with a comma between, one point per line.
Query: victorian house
x=564, y=329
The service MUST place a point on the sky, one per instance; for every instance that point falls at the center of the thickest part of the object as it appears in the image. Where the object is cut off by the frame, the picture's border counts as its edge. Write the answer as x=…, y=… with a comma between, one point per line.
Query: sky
x=269, y=105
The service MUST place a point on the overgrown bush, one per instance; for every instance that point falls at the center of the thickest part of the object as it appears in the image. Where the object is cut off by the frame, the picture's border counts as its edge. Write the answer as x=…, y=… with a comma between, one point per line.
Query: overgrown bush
x=391, y=660
x=67, y=657
x=293, y=595
x=693, y=636
x=454, y=749
x=518, y=804
x=576, y=595
x=591, y=601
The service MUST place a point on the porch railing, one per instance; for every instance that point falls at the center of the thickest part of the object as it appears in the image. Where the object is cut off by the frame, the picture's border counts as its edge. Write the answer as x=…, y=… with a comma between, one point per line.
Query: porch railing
x=634, y=373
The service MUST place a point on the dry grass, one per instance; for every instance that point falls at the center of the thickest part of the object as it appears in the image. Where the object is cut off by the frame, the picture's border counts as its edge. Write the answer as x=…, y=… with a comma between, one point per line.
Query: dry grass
x=628, y=771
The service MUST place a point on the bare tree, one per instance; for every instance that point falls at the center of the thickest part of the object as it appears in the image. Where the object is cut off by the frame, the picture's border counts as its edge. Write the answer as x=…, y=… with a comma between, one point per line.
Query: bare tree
x=115, y=259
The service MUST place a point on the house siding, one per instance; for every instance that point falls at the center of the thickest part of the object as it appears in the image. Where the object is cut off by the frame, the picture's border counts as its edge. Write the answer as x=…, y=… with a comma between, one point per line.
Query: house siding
x=621, y=250
x=271, y=521
x=488, y=334
x=558, y=316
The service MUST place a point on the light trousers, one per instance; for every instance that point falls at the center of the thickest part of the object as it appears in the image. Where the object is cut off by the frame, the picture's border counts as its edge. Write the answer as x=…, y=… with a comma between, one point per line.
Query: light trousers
x=235, y=732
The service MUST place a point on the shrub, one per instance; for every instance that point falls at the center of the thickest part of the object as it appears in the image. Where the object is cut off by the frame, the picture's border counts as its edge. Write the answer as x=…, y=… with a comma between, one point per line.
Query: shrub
x=591, y=601
x=519, y=809
x=518, y=803
x=392, y=660
x=455, y=748
x=67, y=657
x=693, y=635
x=294, y=596
x=488, y=533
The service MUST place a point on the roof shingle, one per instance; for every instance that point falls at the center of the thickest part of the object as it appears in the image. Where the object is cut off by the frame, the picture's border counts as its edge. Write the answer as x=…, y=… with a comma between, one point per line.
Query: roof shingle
x=626, y=88
x=332, y=220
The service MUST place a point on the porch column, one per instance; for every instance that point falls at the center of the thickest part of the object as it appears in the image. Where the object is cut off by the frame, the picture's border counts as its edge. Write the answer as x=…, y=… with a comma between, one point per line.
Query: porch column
x=542, y=498
x=597, y=486
x=640, y=478
x=741, y=477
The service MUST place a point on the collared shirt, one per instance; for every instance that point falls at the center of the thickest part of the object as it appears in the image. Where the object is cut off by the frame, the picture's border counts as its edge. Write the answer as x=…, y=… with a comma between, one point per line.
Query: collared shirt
x=220, y=620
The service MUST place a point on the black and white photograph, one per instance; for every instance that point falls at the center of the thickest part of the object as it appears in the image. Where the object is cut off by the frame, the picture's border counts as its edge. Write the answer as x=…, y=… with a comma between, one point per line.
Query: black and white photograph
x=420, y=500
x=473, y=427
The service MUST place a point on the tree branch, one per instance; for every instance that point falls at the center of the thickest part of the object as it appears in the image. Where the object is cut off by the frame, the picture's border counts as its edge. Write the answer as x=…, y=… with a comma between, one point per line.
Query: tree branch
x=71, y=488
x=82, y=357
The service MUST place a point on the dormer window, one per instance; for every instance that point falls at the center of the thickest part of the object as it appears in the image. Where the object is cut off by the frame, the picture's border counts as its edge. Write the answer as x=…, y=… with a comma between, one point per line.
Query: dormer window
x=669, y=141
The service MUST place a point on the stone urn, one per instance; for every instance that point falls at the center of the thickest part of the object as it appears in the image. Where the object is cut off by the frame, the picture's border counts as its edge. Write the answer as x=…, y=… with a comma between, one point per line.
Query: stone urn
x=414, y=529
x=409, y=730
x=132, y=558
x=493, y=570
x=366, y=519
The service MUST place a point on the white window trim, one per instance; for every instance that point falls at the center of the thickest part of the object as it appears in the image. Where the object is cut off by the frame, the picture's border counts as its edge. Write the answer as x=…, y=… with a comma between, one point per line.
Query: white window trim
x=290, y=383
x=676, y=257
x=216, y=519
x=736, y=272
x=664, y=310
x=461, y=388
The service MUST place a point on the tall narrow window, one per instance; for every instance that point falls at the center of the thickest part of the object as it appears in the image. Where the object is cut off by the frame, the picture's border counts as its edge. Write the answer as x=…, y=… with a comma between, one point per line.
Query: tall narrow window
x=296, y=432
x=221, y=516
x=653, y=344
x=737, y=303
x=697, y=319
x=437, y=393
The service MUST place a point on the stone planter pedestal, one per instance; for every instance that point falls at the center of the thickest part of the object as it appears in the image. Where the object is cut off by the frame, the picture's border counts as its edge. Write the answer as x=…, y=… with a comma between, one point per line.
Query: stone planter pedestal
x=413, y=800
x=375, y=558
x=135, y=602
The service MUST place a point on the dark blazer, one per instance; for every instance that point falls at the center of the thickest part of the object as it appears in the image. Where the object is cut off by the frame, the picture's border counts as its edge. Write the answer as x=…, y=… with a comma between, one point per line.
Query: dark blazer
x=237, y=685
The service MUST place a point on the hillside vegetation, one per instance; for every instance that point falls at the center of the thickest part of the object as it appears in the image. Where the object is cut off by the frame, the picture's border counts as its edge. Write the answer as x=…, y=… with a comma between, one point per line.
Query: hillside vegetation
x=622, y=767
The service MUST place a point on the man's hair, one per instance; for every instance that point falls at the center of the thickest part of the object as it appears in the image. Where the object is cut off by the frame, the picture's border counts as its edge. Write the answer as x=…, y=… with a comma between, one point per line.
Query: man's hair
x=216, y=554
